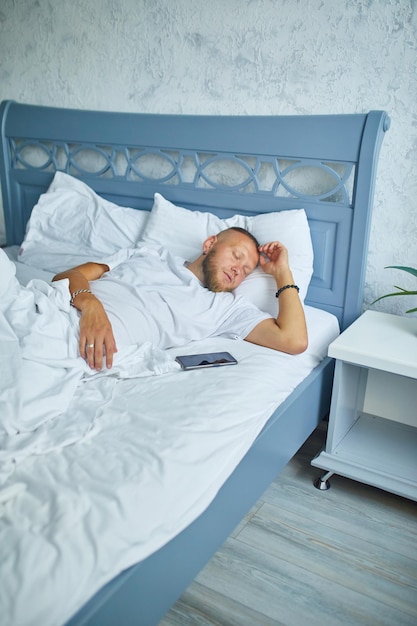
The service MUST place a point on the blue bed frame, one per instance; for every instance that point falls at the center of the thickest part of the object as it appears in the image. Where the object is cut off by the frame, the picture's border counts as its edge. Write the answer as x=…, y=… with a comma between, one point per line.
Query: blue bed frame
x=324, y=164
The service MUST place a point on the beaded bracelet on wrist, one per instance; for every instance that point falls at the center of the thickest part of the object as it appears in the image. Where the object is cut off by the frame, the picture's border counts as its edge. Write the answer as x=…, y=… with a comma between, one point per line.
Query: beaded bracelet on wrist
x=278, y=293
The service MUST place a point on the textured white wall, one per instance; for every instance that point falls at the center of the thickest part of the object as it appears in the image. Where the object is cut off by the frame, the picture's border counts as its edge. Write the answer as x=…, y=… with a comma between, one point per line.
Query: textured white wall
x=236, y=57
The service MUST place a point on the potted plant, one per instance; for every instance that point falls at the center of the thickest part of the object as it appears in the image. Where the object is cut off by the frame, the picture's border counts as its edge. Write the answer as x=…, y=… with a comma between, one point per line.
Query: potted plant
x=401, y=292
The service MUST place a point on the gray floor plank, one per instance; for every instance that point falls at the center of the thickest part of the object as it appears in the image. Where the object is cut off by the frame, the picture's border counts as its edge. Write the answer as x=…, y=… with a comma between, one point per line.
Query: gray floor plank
x=380, y=518
x=363, y=567
x=203, y=606
x=290, y=594
x=343, y=557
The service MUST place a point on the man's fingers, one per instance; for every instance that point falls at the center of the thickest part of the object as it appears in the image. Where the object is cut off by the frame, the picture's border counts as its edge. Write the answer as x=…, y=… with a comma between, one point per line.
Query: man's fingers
x=98, y=350
x=83, y=346
x=91, y=353
x=110, y=349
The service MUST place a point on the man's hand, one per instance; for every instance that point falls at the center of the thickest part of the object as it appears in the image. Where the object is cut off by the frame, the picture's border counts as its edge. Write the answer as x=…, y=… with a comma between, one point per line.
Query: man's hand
x=273, y=258
x=96, y=333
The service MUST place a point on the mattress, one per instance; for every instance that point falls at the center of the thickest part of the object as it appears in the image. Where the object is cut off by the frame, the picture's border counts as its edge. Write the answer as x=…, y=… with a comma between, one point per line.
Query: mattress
x=129, y=465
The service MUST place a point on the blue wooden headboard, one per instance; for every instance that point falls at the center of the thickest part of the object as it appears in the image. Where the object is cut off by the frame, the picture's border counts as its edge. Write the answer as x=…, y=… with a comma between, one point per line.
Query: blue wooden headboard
x=226, y=164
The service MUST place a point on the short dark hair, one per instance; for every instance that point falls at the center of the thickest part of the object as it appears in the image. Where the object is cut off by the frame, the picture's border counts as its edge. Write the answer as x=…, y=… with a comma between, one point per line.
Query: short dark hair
x=238, y=229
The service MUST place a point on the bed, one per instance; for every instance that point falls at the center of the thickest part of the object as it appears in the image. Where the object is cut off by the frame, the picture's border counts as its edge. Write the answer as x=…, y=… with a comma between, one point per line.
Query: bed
x=97, y=526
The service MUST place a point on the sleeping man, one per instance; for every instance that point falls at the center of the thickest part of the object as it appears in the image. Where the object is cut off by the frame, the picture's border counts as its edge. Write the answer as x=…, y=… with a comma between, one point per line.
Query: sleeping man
x=126, y=310
x=146, y=294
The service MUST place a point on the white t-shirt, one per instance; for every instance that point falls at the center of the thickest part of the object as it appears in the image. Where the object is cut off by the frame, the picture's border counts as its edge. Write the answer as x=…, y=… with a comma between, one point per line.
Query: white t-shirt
x=150, y=295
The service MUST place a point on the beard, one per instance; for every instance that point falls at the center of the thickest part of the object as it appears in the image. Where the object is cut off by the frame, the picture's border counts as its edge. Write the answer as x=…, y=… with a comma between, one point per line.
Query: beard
x=210, y=271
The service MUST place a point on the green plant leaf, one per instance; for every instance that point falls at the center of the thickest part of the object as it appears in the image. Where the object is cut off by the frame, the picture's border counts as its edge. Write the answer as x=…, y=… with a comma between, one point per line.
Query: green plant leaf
x=403, y=268
x=402, y=291
x=396, y=293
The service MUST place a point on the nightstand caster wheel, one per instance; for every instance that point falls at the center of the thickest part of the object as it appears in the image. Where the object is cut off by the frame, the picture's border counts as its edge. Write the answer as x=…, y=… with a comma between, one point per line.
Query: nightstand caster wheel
x=322, y=483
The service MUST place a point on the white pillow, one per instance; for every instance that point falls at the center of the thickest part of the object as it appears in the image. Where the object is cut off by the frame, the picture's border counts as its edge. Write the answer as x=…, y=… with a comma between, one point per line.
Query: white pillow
x=71, y=225
x=182, y=232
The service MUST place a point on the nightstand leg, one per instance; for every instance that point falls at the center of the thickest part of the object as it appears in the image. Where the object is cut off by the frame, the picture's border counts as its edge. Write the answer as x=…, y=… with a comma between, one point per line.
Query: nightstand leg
x=322, y=483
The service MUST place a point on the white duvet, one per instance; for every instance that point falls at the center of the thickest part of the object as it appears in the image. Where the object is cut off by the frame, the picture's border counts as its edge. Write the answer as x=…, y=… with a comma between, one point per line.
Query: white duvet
x=122, y=463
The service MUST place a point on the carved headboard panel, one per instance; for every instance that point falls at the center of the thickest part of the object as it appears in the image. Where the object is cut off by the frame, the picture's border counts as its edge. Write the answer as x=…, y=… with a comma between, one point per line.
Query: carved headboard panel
x=224, y=164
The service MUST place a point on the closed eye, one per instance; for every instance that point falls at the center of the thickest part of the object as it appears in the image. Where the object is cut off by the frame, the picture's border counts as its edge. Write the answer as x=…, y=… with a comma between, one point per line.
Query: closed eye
x=241, y=257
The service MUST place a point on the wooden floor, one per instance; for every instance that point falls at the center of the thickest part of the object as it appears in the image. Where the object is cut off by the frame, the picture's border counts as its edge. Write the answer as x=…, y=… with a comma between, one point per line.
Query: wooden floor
x=346, y=556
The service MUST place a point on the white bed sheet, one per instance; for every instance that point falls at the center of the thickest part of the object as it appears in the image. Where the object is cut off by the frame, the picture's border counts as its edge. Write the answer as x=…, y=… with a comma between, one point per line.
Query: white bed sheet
x=134, y=471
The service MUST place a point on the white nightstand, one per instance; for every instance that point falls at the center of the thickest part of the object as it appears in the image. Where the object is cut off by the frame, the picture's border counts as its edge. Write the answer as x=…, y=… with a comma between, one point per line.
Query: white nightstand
x=372, y=434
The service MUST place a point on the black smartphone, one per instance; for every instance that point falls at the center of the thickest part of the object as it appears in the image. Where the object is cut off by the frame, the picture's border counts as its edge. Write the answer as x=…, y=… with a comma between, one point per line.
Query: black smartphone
x=210, y=359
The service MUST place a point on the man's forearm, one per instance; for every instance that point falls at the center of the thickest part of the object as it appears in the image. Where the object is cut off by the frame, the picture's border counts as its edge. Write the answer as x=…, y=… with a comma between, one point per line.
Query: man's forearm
x=79, y=281
x=291, y=318
x=96, y=335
